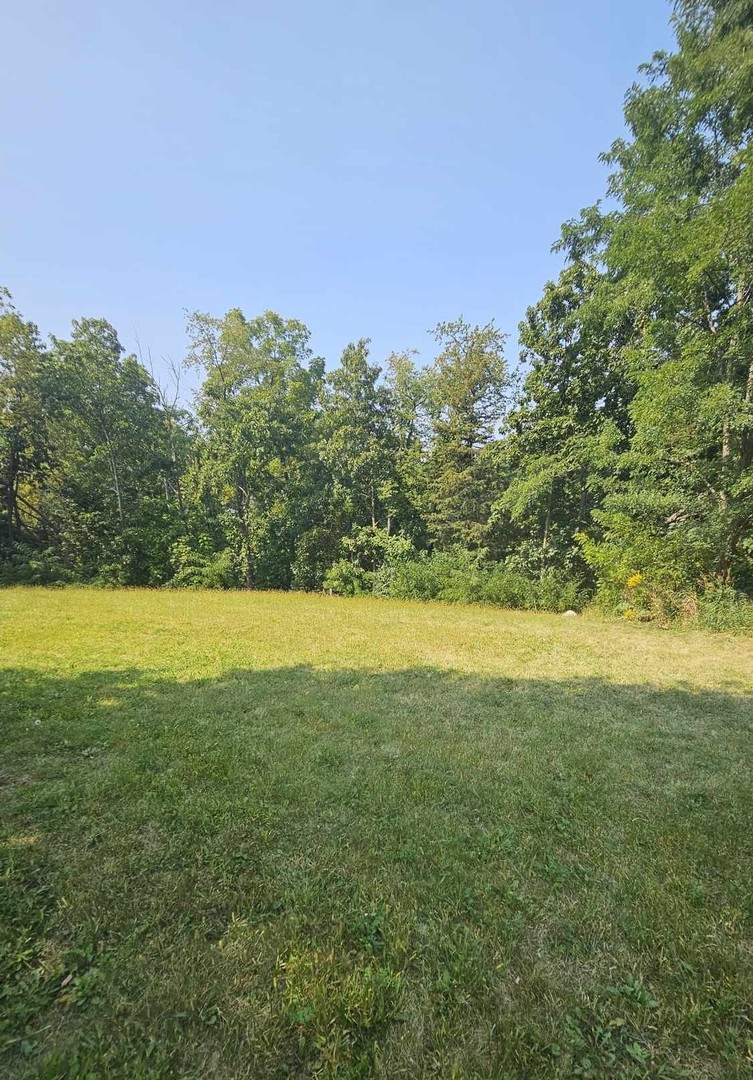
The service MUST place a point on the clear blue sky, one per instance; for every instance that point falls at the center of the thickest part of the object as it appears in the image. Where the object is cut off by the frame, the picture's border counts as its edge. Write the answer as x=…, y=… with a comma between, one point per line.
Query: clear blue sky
x=368, y=166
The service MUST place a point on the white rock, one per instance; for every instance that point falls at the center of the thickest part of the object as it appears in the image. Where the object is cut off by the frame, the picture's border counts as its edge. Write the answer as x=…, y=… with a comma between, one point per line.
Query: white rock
x=570, y=614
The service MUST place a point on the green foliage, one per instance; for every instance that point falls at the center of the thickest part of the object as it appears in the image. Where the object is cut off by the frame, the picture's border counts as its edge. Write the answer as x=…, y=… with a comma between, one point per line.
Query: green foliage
x=256, y=470
x=26, y=565
x=723, y=608
x=459, y=576
x=455, y=576
x=315, y=552
x=467, y=391
x=568, y=424
x=374, y=548
x=357, y=444
x=201, y=567
x=627, y=449
x=678, y=253
x=550, y=591
x=90, y=459
x=644, y=533
x=345, y=578
x=369, y=556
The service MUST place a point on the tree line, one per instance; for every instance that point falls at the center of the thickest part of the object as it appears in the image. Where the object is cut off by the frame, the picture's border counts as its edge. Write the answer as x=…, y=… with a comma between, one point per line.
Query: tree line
x=614, y=461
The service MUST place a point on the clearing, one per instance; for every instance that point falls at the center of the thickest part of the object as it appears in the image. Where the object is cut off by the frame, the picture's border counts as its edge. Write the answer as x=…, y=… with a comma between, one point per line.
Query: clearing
x=269, y=835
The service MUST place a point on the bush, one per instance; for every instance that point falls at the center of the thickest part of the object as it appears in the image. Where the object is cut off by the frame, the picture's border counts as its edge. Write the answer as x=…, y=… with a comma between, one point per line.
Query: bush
x=315, y=551
x=203, y=569
x=372, y=548
x=550, y=591
x=721, y=607
x=344, y=578
x=369, y=557
x=650, y=557
x=454, y=576
x=461, y=577
x=24, y=565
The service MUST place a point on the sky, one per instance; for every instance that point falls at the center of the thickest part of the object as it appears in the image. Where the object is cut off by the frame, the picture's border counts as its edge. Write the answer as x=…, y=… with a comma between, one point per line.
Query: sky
x=370, y=167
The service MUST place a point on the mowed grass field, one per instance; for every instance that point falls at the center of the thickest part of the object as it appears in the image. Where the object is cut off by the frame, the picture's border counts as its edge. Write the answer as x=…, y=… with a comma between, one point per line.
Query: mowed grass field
x=276, y=835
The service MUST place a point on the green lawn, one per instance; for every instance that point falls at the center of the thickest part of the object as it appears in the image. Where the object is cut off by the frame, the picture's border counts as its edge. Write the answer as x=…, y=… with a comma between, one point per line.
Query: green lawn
x=280, y=835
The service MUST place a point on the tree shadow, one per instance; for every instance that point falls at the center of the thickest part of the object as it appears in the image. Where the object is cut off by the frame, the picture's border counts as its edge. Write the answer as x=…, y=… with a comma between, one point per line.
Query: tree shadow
x=362, y=870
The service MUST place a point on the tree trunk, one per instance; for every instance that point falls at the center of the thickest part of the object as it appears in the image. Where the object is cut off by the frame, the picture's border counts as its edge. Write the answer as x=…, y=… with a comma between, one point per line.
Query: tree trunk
x=746, y=447
x=179, y=492
x=547, y=519
x=582, y=502
x=176, y=472
x=726, y=428
x=11, y=488
x=115, y=477
x=118, y=496
x=241, y=508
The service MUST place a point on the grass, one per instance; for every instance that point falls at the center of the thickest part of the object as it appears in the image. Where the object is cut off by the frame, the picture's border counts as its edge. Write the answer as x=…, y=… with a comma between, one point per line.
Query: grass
x=287, y=836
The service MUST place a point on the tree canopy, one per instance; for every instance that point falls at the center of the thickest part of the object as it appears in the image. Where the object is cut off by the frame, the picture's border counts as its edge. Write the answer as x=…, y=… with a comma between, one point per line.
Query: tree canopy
x=616, y=456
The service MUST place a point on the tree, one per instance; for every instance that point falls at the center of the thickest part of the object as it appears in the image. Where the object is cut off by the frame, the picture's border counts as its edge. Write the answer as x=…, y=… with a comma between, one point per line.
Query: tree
x=408, y=391
x=682, y=246
x=469, y=383
x=562, y=438
x=256, y=472
x=23, y=441
x=357, y=442
x=104, y=495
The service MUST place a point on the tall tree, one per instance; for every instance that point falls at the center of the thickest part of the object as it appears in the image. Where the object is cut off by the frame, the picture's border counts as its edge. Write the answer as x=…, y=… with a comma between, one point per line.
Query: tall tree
x=408, y=390
x=681, y=244
x=571, y=420
x=22, y=425
x=104, y=490
x=358, y=444
x=256, y=471
x=469, y=384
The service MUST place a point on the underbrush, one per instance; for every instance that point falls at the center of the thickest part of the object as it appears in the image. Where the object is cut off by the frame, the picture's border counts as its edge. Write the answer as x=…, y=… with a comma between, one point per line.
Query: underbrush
x=389, y=567
x=725, y=609
x=458, y=577
x=716, y=607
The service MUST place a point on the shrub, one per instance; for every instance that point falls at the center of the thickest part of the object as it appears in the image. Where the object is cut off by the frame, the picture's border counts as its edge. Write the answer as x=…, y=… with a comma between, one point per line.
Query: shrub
x=720, y=607
x=315, y=551
x=510, y=588
x=371, y=548
x=24, y=565
x=650, y=557
x=346, y=579
x=454, y=576
x=461, y=577
x=369, y=558
x=202, y=568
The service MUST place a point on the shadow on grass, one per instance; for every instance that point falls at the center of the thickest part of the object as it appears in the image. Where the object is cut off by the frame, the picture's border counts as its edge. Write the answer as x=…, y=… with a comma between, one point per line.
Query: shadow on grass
x=355, y=873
